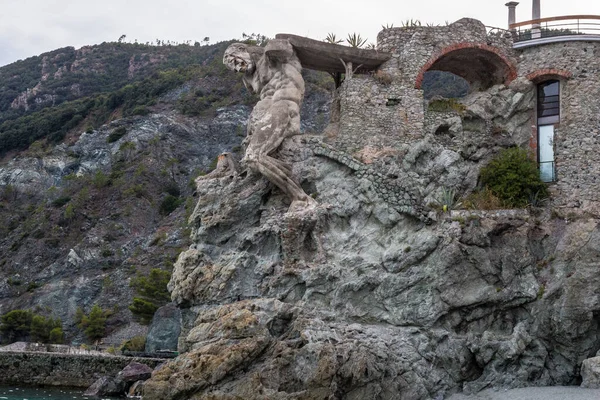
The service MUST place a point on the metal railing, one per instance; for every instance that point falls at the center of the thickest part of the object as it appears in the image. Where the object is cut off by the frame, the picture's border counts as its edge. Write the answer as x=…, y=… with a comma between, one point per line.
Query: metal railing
x=568, y=25
x=495, y=31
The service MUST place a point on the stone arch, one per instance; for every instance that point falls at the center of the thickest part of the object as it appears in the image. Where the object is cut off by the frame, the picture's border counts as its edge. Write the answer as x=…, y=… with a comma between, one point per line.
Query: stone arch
x=479, y=64
x=545, y=74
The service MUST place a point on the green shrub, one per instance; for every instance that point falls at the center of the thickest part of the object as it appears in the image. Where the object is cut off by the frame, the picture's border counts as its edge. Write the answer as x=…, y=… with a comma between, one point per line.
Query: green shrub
x=447, y=105
x=61, y=201
x=116, y=134
x=24, y=324
x=137, y=343
x=143, y=309
x=100, y=179
x=33, y=285
x=94, y=324
x=513, y=177
x=140, y=110
x=42, y=327
x=69, y=212
x=56, y=336
x=169, y=204
x=152, y=293
x=16, y=325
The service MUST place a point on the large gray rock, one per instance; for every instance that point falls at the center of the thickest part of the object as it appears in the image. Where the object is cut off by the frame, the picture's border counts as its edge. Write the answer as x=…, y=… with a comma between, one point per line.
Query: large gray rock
x=134, y=372
x=590, y=373
x=106, y=386
x=164, y=329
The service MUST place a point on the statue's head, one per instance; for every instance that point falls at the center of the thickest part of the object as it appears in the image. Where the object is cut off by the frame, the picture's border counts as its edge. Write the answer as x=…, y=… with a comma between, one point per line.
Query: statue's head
x=237, y=58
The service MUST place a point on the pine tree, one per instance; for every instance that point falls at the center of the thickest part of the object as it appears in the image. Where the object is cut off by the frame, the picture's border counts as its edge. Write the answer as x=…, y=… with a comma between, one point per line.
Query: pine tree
x=94, y=324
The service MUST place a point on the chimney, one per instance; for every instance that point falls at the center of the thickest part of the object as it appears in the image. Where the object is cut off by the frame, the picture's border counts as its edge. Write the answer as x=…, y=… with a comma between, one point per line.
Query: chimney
x=512, y=13
x=536, y=14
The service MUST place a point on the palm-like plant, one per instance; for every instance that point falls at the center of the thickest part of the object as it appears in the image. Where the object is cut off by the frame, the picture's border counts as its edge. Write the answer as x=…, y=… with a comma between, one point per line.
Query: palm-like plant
x=331, y=38
x=355, y=40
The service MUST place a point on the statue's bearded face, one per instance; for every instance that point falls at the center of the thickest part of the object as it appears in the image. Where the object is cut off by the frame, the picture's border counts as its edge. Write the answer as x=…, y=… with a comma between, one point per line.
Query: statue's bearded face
x=237, y=58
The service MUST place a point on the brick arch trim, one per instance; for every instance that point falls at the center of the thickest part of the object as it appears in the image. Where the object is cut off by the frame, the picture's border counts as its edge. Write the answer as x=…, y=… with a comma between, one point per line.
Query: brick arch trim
x=548, y=73
x=510, y=67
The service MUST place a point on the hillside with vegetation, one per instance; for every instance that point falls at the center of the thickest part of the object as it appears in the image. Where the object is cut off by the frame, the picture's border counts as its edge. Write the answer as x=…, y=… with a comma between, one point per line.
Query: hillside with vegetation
x=46, y=96
x=100, y=147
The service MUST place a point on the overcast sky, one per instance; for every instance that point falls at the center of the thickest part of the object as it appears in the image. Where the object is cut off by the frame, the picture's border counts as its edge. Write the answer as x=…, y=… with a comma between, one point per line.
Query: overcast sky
x=31, y=27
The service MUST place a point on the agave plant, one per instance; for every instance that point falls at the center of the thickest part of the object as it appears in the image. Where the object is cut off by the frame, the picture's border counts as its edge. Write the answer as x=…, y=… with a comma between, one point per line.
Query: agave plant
x=538, y=199
x=331, y=38
x=355, y=40
x=448, y=200
x=411, y=23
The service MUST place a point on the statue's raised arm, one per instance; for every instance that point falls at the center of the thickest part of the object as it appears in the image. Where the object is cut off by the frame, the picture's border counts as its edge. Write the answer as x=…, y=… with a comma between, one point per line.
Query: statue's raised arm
x=275, y=74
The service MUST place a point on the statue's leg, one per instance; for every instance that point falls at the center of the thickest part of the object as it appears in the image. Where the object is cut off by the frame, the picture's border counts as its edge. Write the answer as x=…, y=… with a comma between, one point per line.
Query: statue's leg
x=283, y=180
x=281, y=120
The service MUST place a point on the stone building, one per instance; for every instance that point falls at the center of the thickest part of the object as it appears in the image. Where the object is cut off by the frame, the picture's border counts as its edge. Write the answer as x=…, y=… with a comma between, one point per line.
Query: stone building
x=534, y=85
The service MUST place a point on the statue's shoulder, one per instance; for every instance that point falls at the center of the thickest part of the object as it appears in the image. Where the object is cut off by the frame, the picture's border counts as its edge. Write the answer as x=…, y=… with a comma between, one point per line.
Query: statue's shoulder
x=280, y=50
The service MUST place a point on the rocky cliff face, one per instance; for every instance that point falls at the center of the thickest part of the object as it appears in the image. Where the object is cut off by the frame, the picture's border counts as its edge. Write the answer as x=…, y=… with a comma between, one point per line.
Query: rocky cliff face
x=363, y=298
x=84, y=217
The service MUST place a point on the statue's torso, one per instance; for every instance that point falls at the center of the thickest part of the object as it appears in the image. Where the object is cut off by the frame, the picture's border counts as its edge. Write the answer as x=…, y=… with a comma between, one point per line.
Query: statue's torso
x=278, y=81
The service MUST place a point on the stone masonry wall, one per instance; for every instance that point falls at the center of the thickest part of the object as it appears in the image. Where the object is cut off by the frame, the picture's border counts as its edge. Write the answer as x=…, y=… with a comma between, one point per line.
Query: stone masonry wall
x=378, y=119
x=577, y=136
x=53, y=369
x=378, y=116
x=414, y=47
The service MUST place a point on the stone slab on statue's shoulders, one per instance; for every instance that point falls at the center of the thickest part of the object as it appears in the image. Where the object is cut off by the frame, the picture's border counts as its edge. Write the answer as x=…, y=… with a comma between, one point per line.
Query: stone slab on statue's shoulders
x=322, y=56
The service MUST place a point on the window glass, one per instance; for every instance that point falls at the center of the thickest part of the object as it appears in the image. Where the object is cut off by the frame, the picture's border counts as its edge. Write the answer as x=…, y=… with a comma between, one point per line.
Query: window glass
x=548, y=99
x=546, y=152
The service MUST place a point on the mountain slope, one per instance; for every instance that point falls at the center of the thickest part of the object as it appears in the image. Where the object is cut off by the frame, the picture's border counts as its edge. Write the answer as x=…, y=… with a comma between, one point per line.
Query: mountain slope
x=95, y=191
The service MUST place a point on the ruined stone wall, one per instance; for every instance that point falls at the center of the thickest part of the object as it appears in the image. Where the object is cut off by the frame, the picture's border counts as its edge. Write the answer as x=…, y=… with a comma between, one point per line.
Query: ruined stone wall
x=414, y=47
x=577, y=136
x=53, y=369
x=377, y=116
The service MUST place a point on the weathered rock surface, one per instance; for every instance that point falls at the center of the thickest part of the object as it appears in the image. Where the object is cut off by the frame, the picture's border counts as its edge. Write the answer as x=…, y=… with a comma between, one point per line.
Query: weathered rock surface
x=359, y=299
x=590, y=373
x=165, y=329
x=136, y=389
x=51, y=262
x=105, y=386
x=134, y=372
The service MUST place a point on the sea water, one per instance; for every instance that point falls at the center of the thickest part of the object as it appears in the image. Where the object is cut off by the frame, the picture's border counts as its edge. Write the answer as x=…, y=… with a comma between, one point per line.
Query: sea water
x=28, y=393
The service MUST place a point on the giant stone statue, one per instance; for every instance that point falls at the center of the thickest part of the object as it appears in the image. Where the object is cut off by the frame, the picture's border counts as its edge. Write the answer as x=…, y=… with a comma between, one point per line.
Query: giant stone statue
x=274, y=72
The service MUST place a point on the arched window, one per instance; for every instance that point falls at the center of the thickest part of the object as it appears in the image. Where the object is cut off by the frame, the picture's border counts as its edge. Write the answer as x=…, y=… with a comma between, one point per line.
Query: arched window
x=548, y=114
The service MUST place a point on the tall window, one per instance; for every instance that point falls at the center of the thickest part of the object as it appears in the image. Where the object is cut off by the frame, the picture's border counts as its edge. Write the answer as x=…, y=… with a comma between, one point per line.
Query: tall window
x=548, y=114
